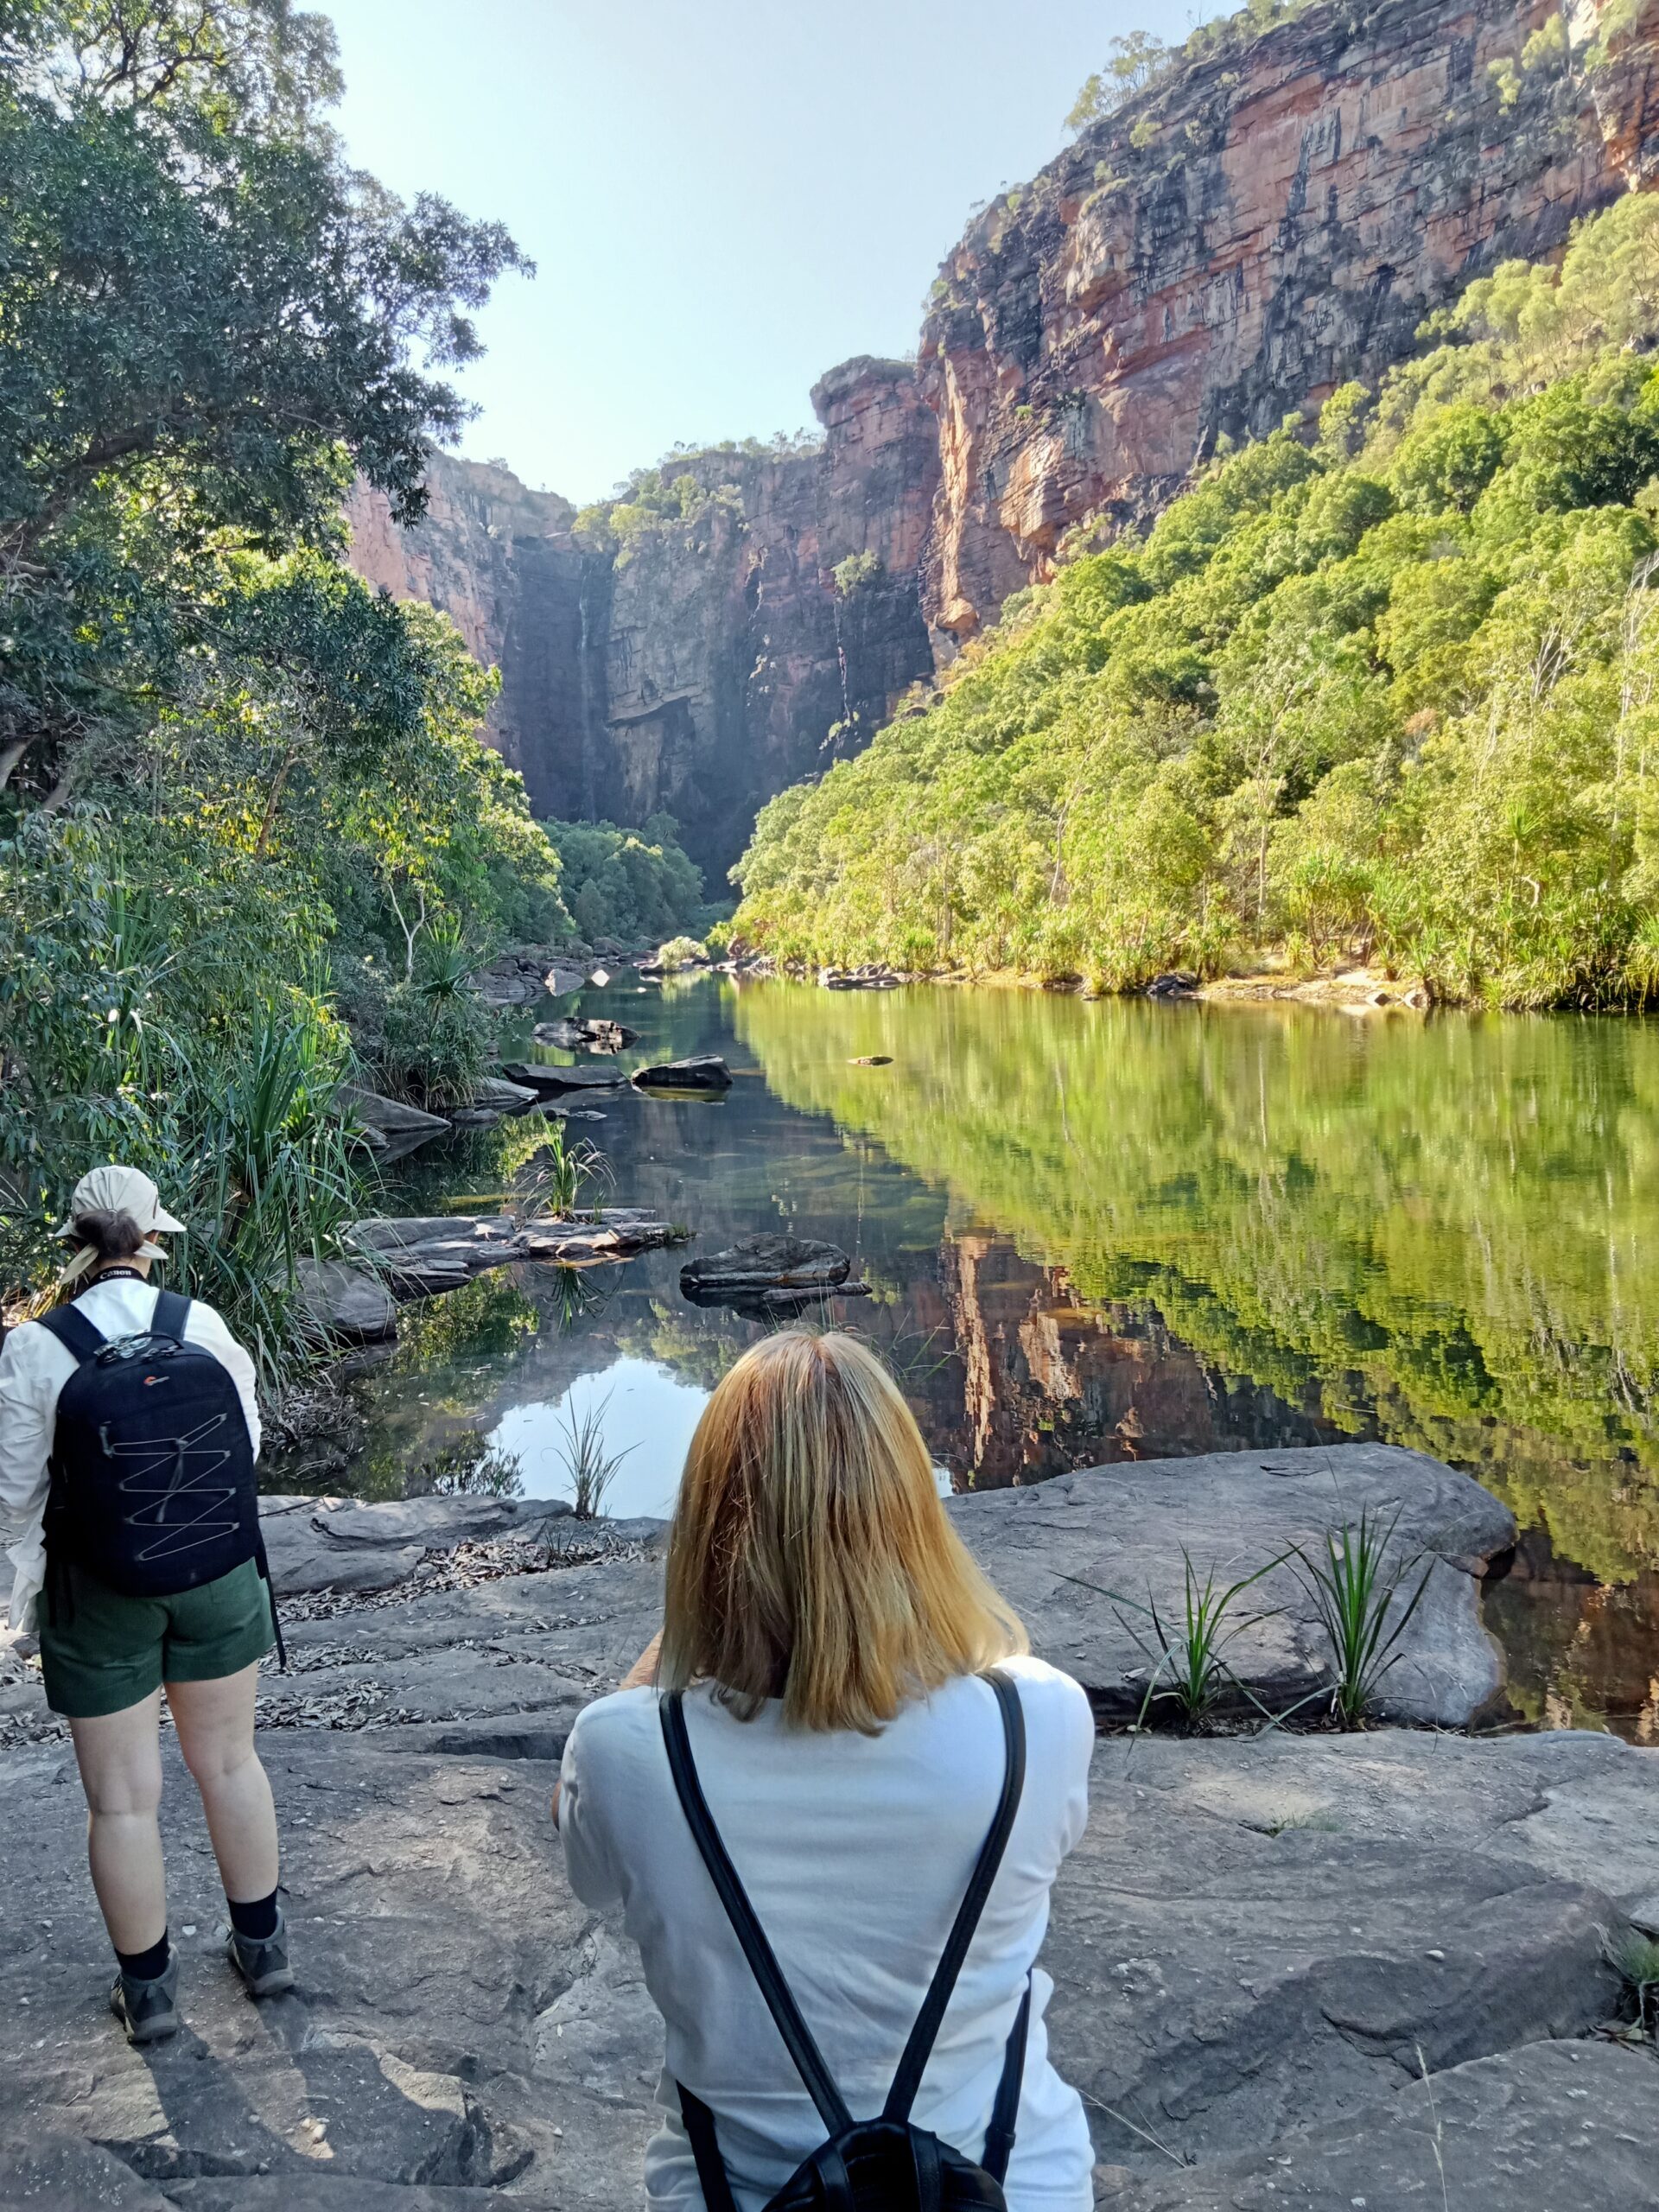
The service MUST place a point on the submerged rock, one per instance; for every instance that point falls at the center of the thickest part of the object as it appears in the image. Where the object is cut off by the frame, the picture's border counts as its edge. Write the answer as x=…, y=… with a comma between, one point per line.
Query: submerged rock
x=575, y=1034
x=390, y=1117
x=702, y=1071
x=771, y=1276
x=535, y=1076
x=874, y=977
x=769, y=1263
x=423, y=1255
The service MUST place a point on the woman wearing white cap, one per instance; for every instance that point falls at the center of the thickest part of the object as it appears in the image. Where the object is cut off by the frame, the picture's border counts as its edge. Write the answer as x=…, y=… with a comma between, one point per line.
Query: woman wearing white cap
x=129, y=1428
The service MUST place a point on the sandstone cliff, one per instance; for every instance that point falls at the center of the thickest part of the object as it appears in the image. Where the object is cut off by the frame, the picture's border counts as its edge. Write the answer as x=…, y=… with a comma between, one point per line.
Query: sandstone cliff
x=1272, y=217
x=1266, y=221
x=499, y=559
x=703, y=664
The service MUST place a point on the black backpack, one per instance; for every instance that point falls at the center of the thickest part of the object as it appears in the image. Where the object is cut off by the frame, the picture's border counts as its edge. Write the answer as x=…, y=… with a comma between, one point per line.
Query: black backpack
x=153, y=1489
x=867, y=2165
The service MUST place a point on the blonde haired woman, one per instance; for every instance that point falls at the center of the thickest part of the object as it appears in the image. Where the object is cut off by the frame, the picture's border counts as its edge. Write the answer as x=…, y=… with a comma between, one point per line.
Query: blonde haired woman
x=826, y=1648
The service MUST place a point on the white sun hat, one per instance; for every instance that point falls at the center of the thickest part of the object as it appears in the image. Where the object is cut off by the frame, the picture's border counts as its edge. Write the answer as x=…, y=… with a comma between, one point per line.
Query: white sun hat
x=115, y=1189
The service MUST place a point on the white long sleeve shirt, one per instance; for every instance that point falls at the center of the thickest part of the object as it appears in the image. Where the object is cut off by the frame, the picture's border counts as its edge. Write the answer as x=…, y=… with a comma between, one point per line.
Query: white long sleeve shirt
x=34, y=1368
x=855, y=1851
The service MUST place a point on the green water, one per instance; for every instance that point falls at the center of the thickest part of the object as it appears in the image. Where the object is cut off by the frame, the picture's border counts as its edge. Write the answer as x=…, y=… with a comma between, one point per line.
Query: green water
x=1099, y=1231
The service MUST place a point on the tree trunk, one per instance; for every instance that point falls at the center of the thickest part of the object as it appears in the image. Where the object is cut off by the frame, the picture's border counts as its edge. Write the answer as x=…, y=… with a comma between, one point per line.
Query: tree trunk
x=271, y=805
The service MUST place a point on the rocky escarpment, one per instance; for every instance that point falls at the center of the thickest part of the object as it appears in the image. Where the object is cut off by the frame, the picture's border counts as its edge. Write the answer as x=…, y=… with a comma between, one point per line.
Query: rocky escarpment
x=499, y=559
x=702, y=662
x=1270, y=218
x=1274, y=216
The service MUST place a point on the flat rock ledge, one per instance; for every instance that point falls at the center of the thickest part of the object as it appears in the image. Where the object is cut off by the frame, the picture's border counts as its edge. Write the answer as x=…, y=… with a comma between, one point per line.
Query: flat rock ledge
x=1288, y=1969
x=423, y=1257
x=1079, y=1554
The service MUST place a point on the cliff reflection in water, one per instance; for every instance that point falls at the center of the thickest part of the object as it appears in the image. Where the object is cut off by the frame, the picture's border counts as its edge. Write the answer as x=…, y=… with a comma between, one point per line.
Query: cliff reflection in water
x=1110, y=1231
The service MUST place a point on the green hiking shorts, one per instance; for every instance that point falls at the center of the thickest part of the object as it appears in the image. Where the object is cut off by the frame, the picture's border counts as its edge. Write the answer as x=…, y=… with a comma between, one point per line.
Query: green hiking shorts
x=104, y=1651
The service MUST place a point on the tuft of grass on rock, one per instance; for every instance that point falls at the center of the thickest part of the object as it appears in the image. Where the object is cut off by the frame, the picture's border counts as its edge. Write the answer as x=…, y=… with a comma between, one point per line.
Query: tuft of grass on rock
x=590, y=1468
x=1635, y=1958
x=1189, y=1654
x=1359, y=1601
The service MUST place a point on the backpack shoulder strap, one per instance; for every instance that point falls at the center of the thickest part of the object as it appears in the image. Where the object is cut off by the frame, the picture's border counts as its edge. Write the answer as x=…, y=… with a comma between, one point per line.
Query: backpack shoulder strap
x=75, y=1332
x=171, y=1314
x=908, y=2080
x=1005, y=2113
x=763, y=1964
x=712, y=2178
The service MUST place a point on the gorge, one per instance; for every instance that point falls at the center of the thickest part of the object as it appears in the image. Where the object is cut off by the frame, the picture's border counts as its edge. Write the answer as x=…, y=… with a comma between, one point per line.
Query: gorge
x=1274, y=214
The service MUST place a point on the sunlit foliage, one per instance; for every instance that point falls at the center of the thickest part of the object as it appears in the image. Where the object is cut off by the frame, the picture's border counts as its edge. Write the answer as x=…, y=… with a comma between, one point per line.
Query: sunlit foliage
x=1384, y=688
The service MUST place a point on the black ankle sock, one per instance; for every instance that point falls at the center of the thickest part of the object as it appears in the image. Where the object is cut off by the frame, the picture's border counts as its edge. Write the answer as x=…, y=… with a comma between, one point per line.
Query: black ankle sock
x=257, y=1921
x=144, y=1965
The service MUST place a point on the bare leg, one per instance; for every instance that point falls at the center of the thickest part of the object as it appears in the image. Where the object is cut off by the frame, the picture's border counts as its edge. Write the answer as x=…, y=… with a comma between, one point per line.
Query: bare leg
x=120, y=1760
x=215, y=1725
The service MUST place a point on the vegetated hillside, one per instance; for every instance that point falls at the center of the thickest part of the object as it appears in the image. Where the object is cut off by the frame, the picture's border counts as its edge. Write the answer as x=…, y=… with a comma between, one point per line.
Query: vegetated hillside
x=1241, y=222
x=1387, y=686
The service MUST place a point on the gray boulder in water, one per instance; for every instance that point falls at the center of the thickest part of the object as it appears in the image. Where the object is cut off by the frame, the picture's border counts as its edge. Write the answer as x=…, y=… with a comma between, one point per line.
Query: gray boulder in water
x=771, y=1274
x=768, y=1263
x=539, y=1078
x=701, y=1071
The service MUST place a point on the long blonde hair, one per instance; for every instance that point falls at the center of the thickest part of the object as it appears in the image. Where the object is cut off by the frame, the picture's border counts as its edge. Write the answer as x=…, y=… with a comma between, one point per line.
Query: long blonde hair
x=810, y=1557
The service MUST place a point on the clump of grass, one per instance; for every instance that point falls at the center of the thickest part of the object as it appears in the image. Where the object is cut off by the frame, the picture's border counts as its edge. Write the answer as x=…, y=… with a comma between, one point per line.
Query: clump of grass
x=1189, y=1669
x=554, y=1180
x=449, y=961
x=589, y=1466
x=1635, y=1958
x=1360, y=1605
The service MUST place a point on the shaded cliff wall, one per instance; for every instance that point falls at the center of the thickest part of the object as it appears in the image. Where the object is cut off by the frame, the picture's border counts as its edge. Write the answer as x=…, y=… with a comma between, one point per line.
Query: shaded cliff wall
x=710, y=662
x=734, y=664
x=500, y=560
x=1261, y=225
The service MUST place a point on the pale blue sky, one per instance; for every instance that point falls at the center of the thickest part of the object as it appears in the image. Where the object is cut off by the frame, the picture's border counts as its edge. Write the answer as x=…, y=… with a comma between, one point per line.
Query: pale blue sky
x=724, y=198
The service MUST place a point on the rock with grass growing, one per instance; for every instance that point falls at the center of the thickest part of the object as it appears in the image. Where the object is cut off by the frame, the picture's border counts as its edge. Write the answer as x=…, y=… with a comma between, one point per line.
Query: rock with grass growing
x=1085, y=1558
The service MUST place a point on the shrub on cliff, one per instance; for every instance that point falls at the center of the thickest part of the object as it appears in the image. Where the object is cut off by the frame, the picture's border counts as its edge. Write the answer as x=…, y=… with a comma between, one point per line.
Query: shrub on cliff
x=1392, y=686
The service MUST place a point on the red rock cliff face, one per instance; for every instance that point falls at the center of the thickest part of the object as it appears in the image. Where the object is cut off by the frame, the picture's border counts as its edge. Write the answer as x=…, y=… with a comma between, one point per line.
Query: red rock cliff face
x=500, y=560
x=1262, y=225
x=709, y=663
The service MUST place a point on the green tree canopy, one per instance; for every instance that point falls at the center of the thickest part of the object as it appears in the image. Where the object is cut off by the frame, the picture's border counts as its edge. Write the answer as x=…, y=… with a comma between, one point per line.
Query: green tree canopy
x=209, y=319
x=1385, y=688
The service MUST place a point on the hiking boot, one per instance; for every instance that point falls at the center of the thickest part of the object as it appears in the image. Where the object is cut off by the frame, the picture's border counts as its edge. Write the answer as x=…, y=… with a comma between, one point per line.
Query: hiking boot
x=148, y=2010
x=262, y=1965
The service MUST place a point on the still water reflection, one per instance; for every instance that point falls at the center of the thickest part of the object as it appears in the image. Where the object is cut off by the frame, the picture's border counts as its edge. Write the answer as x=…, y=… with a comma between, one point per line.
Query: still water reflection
x=1123, y=1231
